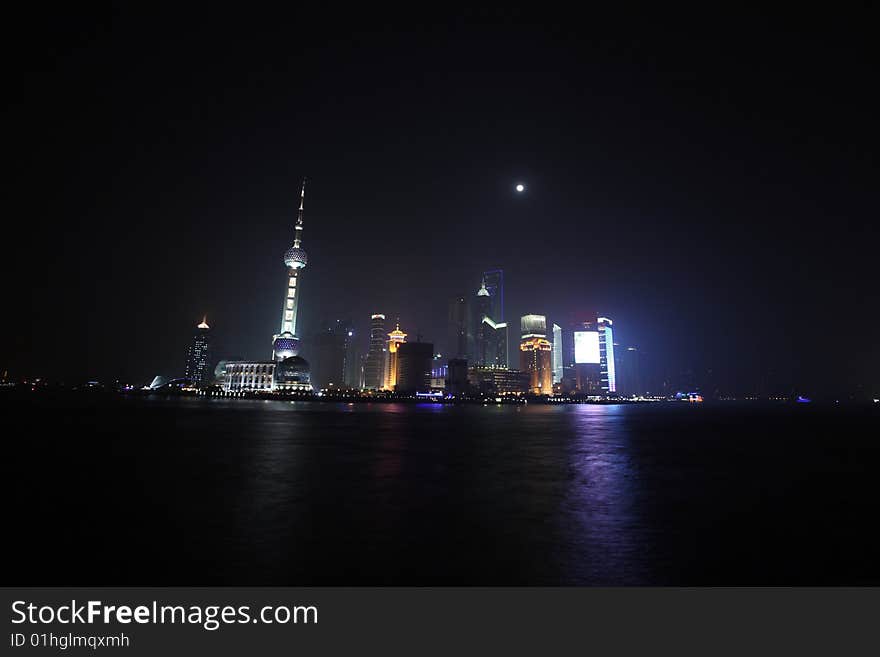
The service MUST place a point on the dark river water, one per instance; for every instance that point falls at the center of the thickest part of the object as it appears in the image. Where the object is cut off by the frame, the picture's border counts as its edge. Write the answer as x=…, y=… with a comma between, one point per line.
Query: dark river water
x=146, y=491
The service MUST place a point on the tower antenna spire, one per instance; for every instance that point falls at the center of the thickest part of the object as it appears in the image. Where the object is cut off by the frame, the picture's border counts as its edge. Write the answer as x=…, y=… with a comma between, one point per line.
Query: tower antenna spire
x=299, y=216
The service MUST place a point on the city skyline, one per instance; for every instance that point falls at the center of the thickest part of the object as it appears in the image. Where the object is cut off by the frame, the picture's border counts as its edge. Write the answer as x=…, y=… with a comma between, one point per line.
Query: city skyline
x=693, y=200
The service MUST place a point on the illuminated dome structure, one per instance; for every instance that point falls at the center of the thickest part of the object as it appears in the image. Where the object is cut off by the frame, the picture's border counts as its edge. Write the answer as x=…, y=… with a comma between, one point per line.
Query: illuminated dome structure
x=285, y=345
x=295, y=258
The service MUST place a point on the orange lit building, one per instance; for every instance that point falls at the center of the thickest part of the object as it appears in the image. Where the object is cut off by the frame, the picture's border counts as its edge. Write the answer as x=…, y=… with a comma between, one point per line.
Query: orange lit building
x=536, y=358
x=395, y=339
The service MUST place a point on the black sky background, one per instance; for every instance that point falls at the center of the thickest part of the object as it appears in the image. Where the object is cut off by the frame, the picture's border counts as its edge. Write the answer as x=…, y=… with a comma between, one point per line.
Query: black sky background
x=709, y=183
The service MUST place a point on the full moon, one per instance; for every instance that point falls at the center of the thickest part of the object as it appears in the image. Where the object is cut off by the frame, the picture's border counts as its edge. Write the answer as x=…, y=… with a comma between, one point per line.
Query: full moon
x=520, y=187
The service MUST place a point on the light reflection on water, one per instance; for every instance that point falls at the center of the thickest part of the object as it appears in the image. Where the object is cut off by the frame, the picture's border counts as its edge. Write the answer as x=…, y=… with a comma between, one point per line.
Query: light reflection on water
x=603, y=534
x=267, y=492
x=556, y=482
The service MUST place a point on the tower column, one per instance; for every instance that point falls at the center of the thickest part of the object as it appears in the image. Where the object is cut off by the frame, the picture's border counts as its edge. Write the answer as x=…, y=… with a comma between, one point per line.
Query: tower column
x=286, y=342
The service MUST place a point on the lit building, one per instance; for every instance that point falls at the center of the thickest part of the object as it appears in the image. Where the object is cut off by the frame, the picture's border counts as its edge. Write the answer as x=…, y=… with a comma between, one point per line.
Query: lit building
x=607, y=369
x=490, y=335
x=557, y=354
x=498, y=380
x=533, y=326
x=395, y=339
x=413, y=366
x=241, y=376
x=374, y=365
x=439, y=371
x=198, y=356
x=580, y=358
x=535, y=354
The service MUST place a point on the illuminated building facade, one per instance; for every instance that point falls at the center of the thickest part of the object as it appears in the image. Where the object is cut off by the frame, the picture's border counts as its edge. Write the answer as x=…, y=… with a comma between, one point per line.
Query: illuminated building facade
x=490, y=335
x=198, y=356
x=439, y=371
x=242, y=376
x=557, y=354
x=374, y=365
x=395, y=339
x=535, y=354
x=607, y=369
x=499, y=381
x=533, y=326
x=580, y=357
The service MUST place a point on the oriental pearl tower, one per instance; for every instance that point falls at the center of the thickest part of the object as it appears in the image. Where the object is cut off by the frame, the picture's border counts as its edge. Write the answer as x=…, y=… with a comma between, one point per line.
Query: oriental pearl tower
x=285, y=345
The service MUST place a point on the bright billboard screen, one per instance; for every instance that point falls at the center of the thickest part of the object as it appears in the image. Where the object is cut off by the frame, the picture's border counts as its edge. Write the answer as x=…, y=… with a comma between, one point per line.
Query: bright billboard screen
x=586, y=346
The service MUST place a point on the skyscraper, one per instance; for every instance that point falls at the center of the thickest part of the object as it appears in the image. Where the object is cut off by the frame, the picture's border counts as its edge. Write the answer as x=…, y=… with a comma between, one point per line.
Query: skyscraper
x=332, y=354
x=413, y=366
x=535, y=355
x=629, y=374
x=198, y=356
x=557, y=354
x=607, y=367
x=353, y=370
x=490, y=334
x=457, y=346
x=374, y=365
x=395, y=339
x=457, y=377
x=482, y=309
x=494, y=282
x=580, y=356
x=285, y=343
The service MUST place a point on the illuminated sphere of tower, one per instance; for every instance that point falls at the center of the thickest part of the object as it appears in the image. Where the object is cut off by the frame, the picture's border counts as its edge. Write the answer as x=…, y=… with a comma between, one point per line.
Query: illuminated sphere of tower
x=295, y=258
x=285, y=345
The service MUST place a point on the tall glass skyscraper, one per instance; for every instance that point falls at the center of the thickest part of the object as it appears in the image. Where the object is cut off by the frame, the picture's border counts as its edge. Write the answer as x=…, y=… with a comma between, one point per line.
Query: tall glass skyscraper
x=490, y=334
x=198, y=355
x=374, y=366
x=607, y=369
x=494, y=282
x=557, y=354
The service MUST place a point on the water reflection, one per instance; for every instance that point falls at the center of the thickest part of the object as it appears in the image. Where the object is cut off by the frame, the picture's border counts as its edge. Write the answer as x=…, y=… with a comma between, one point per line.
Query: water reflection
x=602, y=529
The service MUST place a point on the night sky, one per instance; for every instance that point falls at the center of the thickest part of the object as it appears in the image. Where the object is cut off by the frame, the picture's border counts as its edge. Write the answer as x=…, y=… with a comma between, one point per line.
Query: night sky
x=709, y=183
